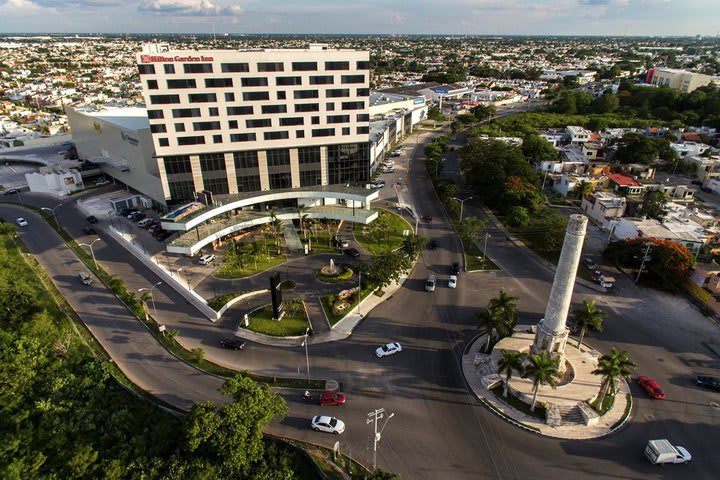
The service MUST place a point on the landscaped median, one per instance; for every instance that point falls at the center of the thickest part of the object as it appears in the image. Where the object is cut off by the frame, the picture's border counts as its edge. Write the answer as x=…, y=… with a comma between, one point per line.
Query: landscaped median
x=384, y=234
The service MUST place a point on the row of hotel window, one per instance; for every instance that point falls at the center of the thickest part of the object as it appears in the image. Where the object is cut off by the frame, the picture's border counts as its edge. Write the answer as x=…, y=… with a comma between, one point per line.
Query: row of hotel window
x=252, y=137
x=169, y=68
x=253, y=123
x=213, y=162
x=255, y=81
x=255, y=96
x=266, y=110
x=184, y=189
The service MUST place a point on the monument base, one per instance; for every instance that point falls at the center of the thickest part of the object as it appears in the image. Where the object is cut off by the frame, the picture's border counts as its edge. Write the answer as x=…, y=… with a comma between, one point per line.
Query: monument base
x=552, y=342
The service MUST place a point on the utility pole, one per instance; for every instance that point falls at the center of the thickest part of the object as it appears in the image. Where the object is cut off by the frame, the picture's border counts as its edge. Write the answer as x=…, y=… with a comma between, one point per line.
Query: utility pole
x=487, y=235
x=645, y=257
x=373, y=417
x=307, y=358
x=462, y=204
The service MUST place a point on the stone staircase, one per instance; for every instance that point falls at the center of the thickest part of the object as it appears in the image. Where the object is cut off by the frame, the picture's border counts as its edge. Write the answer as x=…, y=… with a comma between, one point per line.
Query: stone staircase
x=292, y=240
x=571, y=415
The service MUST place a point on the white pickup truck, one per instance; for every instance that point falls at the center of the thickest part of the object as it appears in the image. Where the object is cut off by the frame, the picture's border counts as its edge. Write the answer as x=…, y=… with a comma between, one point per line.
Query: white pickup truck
x=662, y=451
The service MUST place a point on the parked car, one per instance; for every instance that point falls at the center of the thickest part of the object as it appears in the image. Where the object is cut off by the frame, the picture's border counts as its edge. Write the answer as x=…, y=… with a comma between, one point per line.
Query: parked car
x=432, y=245
x=332, y=398
x=395, y=153
x=427, y=218
x=389, y=163
x=232, y=343
x=455, y=269
x=589, y=263
x=389, y=170
x=651, y=387
x=89, y=230
x=85, y=278
x=341, y=242
x=708, y=382
x=144, y=222
x=11, y=191
x=154, y=228
x=388, y=349
x=91, y=219
x=452, y=282
x=322, y=423
x=135, y=216
x=430, y=284
x=696, y=182
x=162, y=236
x=352, y=252
x=206, y=259
x=102, y=181
x=21, y=222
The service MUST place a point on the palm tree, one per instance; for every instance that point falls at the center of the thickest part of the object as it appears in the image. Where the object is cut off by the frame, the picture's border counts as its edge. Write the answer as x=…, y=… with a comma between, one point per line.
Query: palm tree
x=588, y=316
x=491, y=319
x=612, y=367
x=584, y=189
x=544, y=370
x=303, y=218
x=505, y=304
x=144, y=298
x=510, y=360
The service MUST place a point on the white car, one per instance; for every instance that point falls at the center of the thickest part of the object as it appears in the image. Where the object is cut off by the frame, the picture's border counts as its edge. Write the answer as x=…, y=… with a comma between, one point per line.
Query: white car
x=323, y=423
x=206, y=259
x=389, y=163
x=22, y=222
x=452, y=283
x=388, y=349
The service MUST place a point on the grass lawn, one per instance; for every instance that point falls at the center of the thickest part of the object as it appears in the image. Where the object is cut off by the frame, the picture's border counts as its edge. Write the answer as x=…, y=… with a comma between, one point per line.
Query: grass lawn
x=518, y=404
x=293, y=323
x=258, y=264
x=323, y=243
x=473, y=254
x=335, y=318
x=389, y=239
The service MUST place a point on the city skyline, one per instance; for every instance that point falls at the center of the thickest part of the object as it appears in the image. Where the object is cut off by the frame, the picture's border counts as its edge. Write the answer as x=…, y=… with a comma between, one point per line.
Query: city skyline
x=473, y=17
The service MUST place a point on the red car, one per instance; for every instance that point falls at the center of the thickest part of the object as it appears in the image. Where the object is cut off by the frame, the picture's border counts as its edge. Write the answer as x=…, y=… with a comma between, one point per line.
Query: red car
x=652, y=388
x=332, y=398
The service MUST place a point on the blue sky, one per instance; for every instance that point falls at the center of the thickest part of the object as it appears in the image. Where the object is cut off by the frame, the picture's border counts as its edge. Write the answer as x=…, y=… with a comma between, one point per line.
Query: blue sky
x=481, y=17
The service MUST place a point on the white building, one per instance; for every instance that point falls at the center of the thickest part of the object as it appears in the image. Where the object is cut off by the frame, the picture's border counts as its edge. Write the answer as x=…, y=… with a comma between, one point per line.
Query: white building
x=682, y=80
x=604, y=207
x=54, y=181
x=578, y=135
x=683, y=231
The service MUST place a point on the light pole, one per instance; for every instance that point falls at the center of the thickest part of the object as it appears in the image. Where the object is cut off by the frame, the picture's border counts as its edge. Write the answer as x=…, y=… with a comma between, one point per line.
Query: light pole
x=645, y=257
x=92, y=252
x=152, y=297
x=373, y=417
x=359, y=292
x=462, y=204
x=307, y=358
x=57, y=224
x=487, y=235
x=612, y=227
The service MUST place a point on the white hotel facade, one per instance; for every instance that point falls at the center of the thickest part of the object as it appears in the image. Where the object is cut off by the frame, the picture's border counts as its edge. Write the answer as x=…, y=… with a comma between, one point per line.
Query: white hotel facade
x=238, y=134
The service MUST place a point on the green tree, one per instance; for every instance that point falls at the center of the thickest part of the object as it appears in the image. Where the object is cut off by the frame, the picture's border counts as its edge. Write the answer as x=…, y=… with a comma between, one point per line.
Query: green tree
x=510, y=361
x=551, y=232
x=412, y=245
x=588, y=316
x=435, y=114
x=484, y=112
x=543, y=370
x=144, y=298
x=655, y=204
x=519, y=216
x=493, y=322
x=636, y=148
x=506, y=305
x=199, y=354
x=470, y=228
x=605, y=103
x=385, y=268
x=536, y=149
x=584, y=189
x=302, y=216
x=612, y=367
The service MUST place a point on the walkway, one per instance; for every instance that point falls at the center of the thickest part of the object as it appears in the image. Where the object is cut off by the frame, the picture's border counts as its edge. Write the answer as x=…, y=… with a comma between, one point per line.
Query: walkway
x=292, y=241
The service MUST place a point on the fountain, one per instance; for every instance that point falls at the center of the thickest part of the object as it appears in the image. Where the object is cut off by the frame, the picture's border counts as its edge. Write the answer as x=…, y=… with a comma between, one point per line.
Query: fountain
x=332, y=266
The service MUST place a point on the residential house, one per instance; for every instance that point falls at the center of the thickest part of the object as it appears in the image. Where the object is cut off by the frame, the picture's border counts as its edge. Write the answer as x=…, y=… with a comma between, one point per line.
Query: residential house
x=683, y=231
x=578, y=135
x=603, y=207
x=624, y=185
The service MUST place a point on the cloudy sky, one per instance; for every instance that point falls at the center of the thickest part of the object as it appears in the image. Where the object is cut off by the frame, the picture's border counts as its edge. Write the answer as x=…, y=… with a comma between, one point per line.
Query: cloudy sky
x=481, y=17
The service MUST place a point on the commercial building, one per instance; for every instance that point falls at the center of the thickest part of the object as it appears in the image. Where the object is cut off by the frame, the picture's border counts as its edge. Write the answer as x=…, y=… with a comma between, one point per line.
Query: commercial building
x=54, y=181
x=682, y=80
x=242, y=136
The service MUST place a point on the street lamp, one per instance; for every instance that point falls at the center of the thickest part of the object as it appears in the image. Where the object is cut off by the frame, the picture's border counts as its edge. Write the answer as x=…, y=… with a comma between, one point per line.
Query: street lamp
x=373, y=417
x=53, y=212
x=92, y=252
x=462, y=204
x=359, y=292
x=487, y=235
x=307, y=358
x=152, y=297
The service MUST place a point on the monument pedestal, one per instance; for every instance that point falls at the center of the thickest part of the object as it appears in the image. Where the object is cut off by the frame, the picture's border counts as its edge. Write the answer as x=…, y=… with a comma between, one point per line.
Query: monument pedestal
x=551, y=342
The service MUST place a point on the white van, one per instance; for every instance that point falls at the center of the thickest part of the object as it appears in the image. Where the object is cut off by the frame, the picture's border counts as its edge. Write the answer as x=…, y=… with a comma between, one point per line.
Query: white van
x=662, y=451
x=143, y=223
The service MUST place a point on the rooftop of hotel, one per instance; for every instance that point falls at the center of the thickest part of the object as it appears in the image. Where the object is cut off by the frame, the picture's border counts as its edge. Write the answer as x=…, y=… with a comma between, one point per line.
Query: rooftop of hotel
x=131, y=118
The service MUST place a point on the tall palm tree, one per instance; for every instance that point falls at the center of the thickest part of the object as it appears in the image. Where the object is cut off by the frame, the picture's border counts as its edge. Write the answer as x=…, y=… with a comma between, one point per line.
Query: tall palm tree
x=511, y=360
x=144, y=298
x=612, y=367
x=588, y=316
x=584, y=189
x=492, y=320
x=544, y=370
x=301, y=209
x=505, y=304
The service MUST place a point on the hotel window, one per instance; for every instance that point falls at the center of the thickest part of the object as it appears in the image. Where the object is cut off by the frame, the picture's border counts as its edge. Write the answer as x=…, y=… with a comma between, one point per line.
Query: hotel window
x=278, y=157
x=182, y=190
x=155, y=114
x=202, y=97
x=185, y=112
x=164, y=99
x=234, y=67
x=337, y=92
x=307, y=107
x=329, y=106
x=199, y=140
x=280, y=180
x=363, y=92
x=346, y=131
x=182, y=83
x=212, y=162
x=169, y=68
x=299, y=133
x=146, y=69
x=303, y=94
x=201, y=126
x=308, y=155
x=254, y=82
x=152, y=84
x=163, y=142
x=242, y=137
x=337, y=65
x=233, y=124
x=197, y=67
x=353, y=79
x=254, y=96
x=362, y=130
x=177, y=164
x=270, y=67
x=281, y=95
x=285, y=81
x=363, y=65
x=274, y=109
x=158, y=128
x=315, y=120
x=284, y=122
x=218, y=186
x=304, y=66
x=310, y=178
x=248, y=183
x=214, y=111
x=218, y=82
x=321, y=80
x=323, y=132
x=363, y=117
x=245, y=110
x=179, y=127
x=217, y=138
x=229, y=97
x=338, y=118
x=353, y=105
x=276, y=135
x=258, y=123
x=245, y=159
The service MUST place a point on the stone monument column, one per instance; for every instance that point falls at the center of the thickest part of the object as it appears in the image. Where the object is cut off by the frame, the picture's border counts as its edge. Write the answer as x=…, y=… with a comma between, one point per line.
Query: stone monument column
x=552, y=332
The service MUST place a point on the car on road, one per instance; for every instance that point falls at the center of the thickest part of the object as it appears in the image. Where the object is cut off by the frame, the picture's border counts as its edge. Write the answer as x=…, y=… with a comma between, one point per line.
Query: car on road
x=589, y=263
x=21, y=222
x=154, y=228
x=427, y=218
x=232, y=343
x=91, y=219
x=389, y=170
x=206, y=259
x=430, y=283
x=353, y=252
x=378, y=184
x=163, y=235
x=455, y=269
x=388, y=349
x=11, y=191
x=389, y=163
x=432, y=245
x=651, y=387
x=332, y=398
x=144, y=222
x=85, y=278
x=452, y=282
x=136, y=216
x=89, y=230
x=342, y=243
x=396, y=153
x=322, y=423
x=696, y=182
x=708, y=382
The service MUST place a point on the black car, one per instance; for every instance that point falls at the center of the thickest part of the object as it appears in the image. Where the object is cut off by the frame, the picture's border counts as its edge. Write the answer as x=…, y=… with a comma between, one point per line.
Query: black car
x=89, y=231
x=709, y=382
x=455, y=269
x=232, y=343
x=352, y=252
x=432, y=245
x=92, y=219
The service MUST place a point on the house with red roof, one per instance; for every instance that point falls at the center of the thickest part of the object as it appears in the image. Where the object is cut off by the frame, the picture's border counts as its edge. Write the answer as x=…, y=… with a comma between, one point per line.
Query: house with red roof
x=624, y=185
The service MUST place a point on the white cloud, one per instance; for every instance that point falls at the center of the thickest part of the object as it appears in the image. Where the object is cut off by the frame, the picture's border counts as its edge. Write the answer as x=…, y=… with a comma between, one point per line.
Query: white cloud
x=199, y=8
